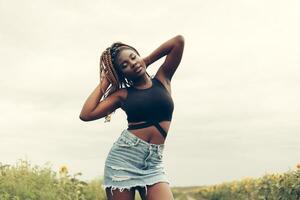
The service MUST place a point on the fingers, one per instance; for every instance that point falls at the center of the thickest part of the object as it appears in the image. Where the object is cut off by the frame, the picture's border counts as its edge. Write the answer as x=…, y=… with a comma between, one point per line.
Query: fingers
x=103, y=74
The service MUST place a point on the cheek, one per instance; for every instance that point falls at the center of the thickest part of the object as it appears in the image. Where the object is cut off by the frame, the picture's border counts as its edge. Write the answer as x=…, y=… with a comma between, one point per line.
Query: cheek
x=122, y=69
x=126, y=72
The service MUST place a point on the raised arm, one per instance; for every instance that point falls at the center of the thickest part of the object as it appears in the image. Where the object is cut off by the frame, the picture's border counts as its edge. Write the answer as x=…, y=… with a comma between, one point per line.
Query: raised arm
x=173, y=48
x=94, y=109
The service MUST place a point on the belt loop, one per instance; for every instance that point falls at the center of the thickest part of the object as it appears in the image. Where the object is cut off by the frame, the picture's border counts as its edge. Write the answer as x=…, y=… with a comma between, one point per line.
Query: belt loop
x=136, y=142
x=159, y=152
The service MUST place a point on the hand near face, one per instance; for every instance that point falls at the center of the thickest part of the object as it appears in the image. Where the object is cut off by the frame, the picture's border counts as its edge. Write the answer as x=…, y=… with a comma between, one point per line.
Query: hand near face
x=104, y=82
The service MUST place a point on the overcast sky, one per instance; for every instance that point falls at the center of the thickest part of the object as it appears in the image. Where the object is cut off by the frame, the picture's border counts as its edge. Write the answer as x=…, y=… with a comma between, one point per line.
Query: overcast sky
x=236, y=91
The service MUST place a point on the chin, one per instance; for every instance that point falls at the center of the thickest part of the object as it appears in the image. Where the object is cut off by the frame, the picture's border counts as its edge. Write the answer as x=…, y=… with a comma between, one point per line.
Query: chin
x=144, y=69
x=143, y=72
x=140, y=75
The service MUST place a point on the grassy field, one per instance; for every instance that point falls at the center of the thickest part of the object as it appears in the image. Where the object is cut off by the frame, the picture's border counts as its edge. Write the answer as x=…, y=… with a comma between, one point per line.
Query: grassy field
x=23, y=181
x=275, y=186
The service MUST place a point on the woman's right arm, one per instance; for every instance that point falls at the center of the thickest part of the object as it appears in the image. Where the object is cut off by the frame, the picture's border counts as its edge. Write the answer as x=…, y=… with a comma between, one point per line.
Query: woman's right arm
x=94, y=109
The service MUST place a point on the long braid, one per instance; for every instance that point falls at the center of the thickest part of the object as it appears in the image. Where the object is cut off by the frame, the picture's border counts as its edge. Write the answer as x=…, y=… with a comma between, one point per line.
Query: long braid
x=116, y=78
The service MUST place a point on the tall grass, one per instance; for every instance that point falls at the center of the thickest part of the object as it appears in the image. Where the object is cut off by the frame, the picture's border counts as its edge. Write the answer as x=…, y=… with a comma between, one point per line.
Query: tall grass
x=285, y=186
x=23, y=181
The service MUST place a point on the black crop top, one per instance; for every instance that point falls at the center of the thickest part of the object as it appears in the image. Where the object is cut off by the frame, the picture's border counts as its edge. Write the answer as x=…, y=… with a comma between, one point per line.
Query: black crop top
x=152, y=105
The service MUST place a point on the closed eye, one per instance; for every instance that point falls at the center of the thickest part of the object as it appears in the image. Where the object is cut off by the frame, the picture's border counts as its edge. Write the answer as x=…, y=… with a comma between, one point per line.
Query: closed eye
x=124, y=64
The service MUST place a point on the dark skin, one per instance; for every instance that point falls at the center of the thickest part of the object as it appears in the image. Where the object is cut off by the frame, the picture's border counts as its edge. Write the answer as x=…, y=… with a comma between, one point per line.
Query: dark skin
x=134, y=68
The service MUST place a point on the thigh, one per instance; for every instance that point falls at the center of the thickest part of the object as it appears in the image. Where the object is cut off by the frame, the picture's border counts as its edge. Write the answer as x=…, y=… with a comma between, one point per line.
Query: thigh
x=117, y=195
x=159, y=190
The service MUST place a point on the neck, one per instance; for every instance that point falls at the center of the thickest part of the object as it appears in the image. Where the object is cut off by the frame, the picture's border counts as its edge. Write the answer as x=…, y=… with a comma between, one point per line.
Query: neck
x=142, y=80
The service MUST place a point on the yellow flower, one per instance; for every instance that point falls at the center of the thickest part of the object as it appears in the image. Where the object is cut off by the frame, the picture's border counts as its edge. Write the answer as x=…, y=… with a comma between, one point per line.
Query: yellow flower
x=298, y=165
x=63, y=170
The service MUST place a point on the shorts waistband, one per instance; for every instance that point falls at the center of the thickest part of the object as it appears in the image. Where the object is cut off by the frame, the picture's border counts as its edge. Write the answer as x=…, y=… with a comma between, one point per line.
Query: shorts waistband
x=133, y=138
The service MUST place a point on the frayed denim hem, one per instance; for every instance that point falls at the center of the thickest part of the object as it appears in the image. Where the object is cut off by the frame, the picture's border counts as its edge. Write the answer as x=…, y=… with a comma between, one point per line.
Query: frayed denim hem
x=128, y=188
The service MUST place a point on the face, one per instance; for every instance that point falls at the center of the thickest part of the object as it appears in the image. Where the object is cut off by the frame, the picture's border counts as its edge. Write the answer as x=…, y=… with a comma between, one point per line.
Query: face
x=131, y=64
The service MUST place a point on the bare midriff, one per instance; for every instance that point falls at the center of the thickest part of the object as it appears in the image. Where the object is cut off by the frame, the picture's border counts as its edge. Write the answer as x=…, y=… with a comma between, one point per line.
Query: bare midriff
x=151, y=134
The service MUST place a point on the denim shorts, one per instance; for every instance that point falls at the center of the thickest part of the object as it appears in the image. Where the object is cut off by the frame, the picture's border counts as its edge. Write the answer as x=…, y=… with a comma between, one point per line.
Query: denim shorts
x=133, y=162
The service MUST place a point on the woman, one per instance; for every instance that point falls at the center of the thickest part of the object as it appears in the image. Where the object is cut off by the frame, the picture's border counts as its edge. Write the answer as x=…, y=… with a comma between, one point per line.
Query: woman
x=135, y=159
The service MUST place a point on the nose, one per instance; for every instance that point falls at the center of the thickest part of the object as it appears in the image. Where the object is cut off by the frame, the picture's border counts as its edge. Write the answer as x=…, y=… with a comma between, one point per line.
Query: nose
x=133, y=64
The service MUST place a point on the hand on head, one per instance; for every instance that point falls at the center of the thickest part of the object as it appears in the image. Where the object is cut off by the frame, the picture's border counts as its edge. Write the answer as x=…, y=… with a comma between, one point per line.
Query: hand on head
x=104, y=82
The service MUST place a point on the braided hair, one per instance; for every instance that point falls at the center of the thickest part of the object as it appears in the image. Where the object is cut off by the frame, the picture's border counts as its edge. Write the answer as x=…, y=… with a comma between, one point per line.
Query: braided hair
x=108, y=64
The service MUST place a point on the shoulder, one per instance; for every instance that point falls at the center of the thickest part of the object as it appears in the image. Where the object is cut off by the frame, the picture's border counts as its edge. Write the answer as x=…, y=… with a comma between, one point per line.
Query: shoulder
x=165, y=81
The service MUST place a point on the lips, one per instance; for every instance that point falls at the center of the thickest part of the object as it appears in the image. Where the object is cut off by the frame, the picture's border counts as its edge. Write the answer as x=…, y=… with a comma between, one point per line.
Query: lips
x=138, y=68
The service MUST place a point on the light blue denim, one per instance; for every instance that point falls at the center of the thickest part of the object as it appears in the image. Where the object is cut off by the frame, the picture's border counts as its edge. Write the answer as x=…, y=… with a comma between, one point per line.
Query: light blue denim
x=133, y=162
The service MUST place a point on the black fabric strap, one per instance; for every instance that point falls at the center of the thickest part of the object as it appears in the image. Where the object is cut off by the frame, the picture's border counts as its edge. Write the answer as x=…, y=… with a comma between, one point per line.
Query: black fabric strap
x=141, y=125
x=147, y=124
x=161, y=130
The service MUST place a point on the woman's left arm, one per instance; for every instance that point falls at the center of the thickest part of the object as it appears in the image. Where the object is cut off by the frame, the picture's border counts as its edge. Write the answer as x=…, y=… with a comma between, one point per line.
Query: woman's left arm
x=173, y=48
